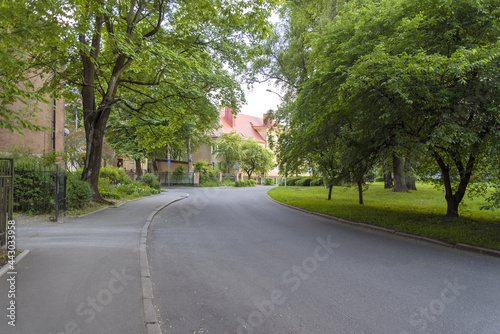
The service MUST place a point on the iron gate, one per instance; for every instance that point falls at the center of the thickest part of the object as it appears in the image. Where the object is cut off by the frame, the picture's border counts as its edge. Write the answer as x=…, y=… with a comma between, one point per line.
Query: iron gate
x=6, y=195
x=60, y=186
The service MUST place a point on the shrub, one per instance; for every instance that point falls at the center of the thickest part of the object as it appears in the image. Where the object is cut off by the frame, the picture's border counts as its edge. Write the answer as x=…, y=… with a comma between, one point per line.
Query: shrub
x=179, y=170
x=78, y=192
x=151, y=180
x=136, y=189
x=115, y=175
x=379, y=179
x=107, y=190
x=268, y=181
x=33, y=187
x=245, y=183
x=317, y=182
x=201, y=166
x=290, y=181
x=304, y=182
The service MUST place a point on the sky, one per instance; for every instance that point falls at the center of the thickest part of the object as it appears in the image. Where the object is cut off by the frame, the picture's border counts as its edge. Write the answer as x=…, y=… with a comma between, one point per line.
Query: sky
x=259, y=101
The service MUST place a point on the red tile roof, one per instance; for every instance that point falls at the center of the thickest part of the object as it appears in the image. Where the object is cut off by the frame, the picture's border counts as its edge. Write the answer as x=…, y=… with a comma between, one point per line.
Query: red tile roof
x=244, y=125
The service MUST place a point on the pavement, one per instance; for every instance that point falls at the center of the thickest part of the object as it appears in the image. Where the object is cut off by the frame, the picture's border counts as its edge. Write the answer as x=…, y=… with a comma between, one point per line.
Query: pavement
x=83, y=274
x=231, y=261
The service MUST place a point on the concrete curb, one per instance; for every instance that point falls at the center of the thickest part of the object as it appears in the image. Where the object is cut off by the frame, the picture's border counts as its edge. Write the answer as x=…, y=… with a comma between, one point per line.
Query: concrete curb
x=459, y=246
x=5, y=268
x=151, y=320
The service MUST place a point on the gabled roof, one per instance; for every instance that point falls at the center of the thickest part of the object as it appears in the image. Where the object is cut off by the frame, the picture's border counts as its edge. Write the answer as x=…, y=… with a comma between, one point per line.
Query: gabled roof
x=244, y=125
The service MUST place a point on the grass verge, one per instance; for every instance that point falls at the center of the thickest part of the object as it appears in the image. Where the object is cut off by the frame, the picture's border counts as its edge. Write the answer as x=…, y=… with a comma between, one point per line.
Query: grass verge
x=419, y=212
x=4, y=258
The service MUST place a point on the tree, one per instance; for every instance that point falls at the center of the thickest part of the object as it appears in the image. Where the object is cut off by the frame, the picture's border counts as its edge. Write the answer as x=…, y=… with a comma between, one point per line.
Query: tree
x=255, y=158
x=424, y=72
x=156, y=57
x=121, y=135
x=23, y=76
x=228, y=149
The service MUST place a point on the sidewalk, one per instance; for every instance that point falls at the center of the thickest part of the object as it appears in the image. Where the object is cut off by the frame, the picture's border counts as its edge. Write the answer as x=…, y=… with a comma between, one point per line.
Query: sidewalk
x=82, y=275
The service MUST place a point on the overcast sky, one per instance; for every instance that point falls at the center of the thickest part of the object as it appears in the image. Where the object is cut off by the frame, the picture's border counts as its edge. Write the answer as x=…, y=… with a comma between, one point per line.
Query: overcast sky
x=259, y=101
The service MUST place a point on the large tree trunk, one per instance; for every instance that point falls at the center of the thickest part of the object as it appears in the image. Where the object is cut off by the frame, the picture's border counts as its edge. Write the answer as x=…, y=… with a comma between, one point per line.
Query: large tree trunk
x=409, y=181
x=453, y=199
x=387, y=177
x=360, y=192
x=399, y=176
x=94, y=130
x=138, y=168
x=189, y=156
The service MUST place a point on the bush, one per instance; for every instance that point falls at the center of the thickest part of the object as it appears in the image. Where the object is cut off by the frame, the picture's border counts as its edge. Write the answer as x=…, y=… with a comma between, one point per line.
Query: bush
x=107, y=190
x=290, y=181
x=304, y=182
x=317, y=182
x=245, y=183
x=78, y=192
x=179, y=170
x=201, y=166
x=379, y=179
x=268, y=181
x=151, y=180
x=33, y=187
x=115, y=175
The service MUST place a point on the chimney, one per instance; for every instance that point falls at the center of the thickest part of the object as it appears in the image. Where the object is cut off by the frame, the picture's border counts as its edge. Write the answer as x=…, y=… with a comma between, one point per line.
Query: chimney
x=231, y=120
x=268, y=122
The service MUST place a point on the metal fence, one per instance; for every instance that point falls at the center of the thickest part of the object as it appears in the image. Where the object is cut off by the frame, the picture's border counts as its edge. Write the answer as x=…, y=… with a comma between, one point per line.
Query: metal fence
x=6, y=195
x=40, y=189
x=176, y=179
x=229, y=177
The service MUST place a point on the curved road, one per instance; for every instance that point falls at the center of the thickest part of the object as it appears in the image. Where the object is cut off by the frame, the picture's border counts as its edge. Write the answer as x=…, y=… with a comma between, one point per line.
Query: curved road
x=228, y=261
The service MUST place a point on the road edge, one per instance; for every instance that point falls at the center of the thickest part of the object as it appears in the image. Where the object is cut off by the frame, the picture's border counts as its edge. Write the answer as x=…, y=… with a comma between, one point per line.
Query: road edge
x=459, y=246
x=151, y=320
x=18, y=259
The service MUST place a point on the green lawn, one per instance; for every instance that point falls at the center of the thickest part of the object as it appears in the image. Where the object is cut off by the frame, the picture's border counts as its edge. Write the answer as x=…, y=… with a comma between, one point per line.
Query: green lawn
x=419, y=212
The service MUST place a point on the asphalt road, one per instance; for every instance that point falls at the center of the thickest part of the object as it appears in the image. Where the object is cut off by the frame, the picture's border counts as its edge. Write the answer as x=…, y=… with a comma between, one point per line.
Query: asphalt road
x=82, y=275
x=228, y=261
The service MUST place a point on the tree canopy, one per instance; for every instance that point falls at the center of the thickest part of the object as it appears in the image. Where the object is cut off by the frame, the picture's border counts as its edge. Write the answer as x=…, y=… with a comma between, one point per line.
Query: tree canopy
x=396, y=76
x=166, y=60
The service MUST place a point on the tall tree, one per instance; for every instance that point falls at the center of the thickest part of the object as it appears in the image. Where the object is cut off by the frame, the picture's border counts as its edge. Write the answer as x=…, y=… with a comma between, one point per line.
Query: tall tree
x=228, y=149
x=424, y=72
x=255, y=157
x=23, y=75
x=154, y=56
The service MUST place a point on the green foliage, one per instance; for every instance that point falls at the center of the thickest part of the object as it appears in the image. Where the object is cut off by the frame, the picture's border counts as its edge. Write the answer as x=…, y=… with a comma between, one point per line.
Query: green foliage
x=179, y=170
x=115, y=175
x=245, y=183
x=23, y=27
x=33, y=188
x=151, y=180
x=201, y=166
x=228, y=149
x=268, y=181
x=304, y=182
x=255, y=158
x=317, y=182
x=78, y=192
x=131, y=190
x=421, y=75
x=208, y=180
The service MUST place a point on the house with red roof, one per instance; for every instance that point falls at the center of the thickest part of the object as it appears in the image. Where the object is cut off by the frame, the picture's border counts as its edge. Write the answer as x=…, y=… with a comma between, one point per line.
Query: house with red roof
x=245, y=125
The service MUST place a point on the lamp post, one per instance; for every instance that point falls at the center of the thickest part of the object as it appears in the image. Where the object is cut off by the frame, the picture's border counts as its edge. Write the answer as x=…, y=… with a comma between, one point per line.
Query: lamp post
x=286, y=126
